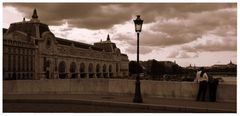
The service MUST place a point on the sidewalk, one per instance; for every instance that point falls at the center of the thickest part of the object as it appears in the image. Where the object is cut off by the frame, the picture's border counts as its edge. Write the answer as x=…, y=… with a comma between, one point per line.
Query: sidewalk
x=151, y=103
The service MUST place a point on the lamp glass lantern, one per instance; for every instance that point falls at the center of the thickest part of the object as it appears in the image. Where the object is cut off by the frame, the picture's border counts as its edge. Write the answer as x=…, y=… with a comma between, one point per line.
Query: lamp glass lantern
x=138, y=24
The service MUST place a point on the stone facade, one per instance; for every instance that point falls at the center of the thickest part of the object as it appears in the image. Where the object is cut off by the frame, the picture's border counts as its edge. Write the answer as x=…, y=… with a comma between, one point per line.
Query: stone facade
x=31, y=51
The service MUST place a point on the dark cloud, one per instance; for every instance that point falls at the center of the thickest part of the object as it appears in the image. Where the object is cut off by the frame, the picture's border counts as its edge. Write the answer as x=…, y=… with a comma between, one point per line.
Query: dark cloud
x=92, y=16
x=99, y=15
x=167, y=24
x=182, y=30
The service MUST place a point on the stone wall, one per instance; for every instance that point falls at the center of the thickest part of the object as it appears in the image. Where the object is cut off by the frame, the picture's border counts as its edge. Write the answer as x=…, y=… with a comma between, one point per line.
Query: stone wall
x=163, y=89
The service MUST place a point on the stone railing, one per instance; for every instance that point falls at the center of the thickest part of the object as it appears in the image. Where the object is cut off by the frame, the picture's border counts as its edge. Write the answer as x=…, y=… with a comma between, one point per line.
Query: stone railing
x=163, y=89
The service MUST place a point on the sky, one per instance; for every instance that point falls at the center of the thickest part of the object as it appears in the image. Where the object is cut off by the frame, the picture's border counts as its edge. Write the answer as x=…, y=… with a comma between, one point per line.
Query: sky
x=200, y=34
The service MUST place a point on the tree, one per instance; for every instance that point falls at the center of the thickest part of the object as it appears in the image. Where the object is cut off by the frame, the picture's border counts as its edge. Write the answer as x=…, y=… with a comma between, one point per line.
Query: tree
x=134, y=67
x=154, y=68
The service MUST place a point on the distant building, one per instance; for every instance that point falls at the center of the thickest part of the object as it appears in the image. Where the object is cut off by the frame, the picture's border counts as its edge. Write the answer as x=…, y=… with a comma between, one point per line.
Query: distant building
x=217, y=69
x=229, y=65
x=31, y=51
x=190, y=67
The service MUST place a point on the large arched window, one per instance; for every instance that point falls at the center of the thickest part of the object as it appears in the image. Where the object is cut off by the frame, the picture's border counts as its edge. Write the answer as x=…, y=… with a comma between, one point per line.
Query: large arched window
x=62, y=70
x=105, y=71
x=90, y=70
x=98, y=71
x=110, y=71
x=73, y=70
x=82, y=70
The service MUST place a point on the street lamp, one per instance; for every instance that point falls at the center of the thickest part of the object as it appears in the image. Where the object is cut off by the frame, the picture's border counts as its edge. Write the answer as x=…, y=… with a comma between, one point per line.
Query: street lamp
x=138, y=28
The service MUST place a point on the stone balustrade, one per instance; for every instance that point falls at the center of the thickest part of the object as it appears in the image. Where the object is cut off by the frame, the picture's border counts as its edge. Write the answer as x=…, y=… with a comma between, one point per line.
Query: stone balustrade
x=163, y=89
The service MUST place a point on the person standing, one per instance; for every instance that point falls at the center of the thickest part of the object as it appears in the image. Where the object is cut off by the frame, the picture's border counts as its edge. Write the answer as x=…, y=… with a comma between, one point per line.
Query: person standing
x=202, y=79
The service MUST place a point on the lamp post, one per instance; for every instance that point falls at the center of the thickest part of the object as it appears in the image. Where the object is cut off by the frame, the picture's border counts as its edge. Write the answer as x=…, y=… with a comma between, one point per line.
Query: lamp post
x=138, y=28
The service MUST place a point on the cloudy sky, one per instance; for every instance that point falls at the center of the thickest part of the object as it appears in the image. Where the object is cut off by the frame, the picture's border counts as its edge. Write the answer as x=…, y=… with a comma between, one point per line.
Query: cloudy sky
x=202, y=34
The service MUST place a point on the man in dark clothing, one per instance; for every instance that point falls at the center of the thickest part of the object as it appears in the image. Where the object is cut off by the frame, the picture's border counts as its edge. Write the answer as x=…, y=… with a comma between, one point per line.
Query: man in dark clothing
x=213, y=84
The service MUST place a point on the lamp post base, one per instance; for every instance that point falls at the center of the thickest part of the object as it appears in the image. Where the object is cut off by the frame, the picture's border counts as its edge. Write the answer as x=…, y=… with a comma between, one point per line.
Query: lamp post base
x=138, y=97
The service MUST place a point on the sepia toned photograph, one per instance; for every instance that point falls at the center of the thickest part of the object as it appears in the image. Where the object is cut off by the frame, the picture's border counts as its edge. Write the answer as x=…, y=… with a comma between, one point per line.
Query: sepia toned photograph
x=119, y=57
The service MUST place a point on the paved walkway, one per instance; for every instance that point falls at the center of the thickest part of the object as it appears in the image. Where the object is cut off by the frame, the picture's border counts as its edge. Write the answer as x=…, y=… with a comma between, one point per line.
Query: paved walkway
x=177, y=105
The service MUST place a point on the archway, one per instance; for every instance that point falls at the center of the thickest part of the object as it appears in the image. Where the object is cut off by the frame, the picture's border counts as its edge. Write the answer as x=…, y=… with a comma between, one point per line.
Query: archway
x=73, y=70
x=90, y=70
x=47, y=69
x=61, y=70
x=98, y=71
x=82, y=70
x=110, y=71
x=104, y=71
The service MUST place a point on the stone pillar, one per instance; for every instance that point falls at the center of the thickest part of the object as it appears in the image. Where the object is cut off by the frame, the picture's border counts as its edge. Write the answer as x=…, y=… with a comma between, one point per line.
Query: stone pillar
x=78, y=75
x=29, y=64
x=55, y=75
x=25, y=61
x=87, y=75
x=114, y=74
x=69, y=75
x=16, y=65
x=94, y=75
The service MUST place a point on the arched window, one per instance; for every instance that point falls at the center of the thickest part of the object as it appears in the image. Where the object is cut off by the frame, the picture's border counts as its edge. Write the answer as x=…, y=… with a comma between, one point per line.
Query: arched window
x=98, y=71
x=73, y=70
x=110, y=71
x=105, y=71
x=90, y=70
x=82, y=70
x=61, y=70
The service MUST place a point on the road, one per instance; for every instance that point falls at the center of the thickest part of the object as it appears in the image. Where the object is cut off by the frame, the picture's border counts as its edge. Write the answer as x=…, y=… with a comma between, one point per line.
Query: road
x=107, y=103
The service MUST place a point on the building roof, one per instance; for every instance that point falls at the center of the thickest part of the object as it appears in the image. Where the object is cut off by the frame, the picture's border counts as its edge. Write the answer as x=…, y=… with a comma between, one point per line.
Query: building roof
x=29, y=28
x=35, y=27
x=4, y=30
x=77, y=44
x=107, y=45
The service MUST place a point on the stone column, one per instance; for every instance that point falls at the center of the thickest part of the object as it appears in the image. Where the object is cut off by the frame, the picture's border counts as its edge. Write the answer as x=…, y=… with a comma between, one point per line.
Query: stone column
x=78, y=75
x=86, y=70
x=87, y=75
x=94, y=75
x=69, y=75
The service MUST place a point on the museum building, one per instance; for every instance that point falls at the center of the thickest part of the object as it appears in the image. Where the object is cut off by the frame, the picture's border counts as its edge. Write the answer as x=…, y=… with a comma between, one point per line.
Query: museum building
x=31, y=51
